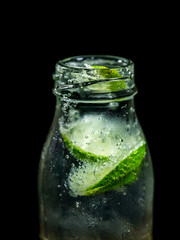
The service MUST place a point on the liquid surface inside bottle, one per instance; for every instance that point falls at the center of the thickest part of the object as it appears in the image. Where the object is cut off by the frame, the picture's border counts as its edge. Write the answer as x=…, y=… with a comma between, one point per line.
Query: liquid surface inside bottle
x=95, y=173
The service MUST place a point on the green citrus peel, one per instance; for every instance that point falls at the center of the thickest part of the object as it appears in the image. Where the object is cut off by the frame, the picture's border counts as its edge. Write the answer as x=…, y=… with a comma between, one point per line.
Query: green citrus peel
x=92, y=178
x=107, y=156
x=115, y=83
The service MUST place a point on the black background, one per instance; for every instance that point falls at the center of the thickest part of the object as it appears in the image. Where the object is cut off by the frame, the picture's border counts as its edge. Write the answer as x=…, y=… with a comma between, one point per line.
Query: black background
x=35, y=40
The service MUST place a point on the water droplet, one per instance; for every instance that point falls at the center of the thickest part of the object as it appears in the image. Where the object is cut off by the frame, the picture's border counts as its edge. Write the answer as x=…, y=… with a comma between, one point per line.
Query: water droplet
x=67, y=156
x=128, y=128
x=113, y=105
x=77, y=204
x=70, y=80
x=141, y=200
x=131, y=109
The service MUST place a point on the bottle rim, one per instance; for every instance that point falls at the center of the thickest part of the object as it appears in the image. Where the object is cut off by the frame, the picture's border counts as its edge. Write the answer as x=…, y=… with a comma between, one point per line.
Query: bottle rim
x=80, y=62
x=94, y=76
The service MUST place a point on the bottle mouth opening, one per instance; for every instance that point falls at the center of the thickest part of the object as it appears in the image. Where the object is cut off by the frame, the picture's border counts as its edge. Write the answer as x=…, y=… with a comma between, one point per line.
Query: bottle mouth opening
x=85, y=62
x=94, y=77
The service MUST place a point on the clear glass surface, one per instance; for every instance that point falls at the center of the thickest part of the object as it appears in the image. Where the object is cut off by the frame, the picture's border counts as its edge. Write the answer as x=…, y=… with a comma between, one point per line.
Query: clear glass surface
x=95, y=174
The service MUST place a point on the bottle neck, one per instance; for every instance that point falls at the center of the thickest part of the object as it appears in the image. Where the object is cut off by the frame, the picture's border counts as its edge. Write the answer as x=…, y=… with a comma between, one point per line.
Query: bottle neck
x=124, y=109
x=94, y=79
x=95, y=83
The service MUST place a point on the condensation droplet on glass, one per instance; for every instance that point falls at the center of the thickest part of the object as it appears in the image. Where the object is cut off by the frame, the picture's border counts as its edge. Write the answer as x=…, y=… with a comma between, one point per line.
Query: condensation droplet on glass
x=113, y=105
x=67, y=156
x=70, y=80
x=77, y=204
x=65, y=184
x=131, y=109
x=141, y=200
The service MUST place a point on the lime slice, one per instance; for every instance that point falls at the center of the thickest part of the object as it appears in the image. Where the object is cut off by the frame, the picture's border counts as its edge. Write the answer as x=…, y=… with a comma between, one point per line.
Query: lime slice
x=108, y=154
x=92, y=178
x=117, y=82
x=106, y=72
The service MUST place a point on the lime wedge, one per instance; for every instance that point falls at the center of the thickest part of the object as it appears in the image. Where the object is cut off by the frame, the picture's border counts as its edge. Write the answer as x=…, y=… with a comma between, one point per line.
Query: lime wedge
x=106, y=72
x=92, y=178
x=117, y=82
x=108, y=155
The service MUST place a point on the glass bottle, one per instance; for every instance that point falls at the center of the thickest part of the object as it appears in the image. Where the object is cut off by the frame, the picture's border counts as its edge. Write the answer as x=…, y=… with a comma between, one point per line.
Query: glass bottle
x=95, y=173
